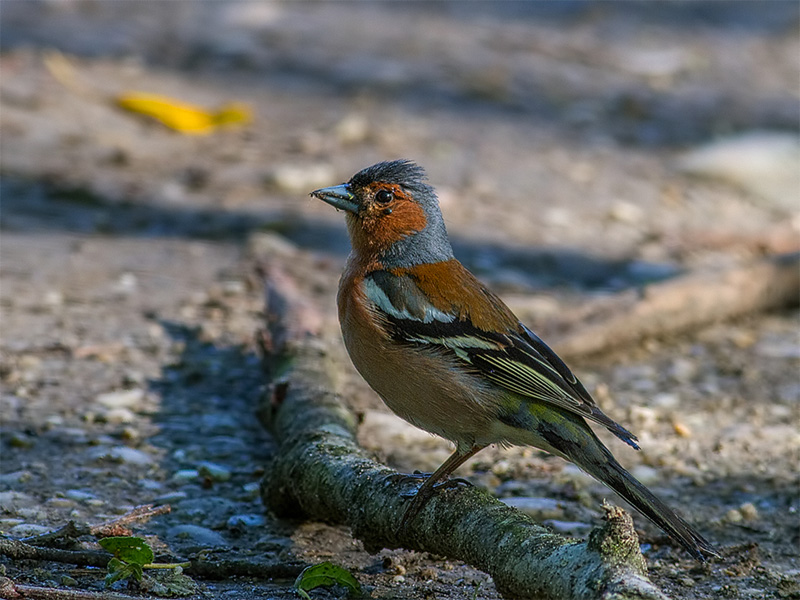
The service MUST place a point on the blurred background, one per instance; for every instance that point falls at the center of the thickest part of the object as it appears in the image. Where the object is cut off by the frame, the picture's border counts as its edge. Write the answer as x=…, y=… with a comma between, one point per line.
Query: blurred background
x=578, y=147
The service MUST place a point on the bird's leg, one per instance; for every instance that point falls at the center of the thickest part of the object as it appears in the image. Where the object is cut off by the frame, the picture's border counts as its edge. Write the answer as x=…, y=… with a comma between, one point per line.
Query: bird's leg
x=427, y=488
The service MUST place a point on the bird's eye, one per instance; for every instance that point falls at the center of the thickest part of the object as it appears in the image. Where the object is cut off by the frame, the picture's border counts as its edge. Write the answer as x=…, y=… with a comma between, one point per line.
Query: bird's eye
x=384, y=196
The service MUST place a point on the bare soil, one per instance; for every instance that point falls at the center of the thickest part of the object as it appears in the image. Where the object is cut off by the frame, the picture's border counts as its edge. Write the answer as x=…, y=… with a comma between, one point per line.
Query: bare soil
x=552, y=131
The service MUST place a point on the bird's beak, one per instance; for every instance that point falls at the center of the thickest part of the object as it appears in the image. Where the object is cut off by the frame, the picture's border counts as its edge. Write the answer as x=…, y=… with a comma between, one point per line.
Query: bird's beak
x=338, y=196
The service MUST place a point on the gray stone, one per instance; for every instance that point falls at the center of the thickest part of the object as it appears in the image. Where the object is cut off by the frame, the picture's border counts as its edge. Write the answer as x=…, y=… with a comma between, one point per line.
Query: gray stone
x=130, y=456
x=79, y=495
x=24, y=530
x=122, y=454
x=12, y=501
x=214, y=472
x=185, y=475
x=170, y=498
x=15, y=477
x=245, y=521
x=647, y=475
x=194, y=535
x=121, y=398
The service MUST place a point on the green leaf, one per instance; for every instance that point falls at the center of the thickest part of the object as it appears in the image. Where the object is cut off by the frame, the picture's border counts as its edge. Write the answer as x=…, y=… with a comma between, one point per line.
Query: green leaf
x=119, y=570
x=128, y=549
x=325, y=575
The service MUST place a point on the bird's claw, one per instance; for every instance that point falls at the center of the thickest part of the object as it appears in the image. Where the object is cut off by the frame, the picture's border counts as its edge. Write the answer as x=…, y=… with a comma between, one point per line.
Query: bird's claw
x=420, y=496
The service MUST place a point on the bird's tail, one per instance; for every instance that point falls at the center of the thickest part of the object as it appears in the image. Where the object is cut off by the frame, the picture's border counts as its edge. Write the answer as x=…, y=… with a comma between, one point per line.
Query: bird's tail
x=598, y=462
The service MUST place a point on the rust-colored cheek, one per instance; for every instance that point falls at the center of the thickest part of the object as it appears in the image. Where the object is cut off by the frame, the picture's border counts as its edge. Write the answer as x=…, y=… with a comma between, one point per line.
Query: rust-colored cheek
x=383, y=225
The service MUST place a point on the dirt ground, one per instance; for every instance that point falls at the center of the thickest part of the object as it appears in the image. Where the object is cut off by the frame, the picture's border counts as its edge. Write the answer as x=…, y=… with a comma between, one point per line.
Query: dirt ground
x=558, y=135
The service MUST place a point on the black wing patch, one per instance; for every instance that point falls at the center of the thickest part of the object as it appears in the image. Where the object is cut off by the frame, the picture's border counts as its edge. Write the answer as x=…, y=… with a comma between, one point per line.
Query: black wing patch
x=516, y=360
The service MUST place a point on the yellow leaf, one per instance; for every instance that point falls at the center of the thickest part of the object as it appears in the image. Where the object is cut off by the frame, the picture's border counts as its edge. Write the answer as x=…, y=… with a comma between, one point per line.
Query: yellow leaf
x=181, y=116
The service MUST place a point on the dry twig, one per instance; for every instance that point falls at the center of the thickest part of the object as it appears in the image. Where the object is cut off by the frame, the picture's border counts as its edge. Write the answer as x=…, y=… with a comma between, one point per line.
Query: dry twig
x=677, y=305
x=10, y=590
x=137, y=514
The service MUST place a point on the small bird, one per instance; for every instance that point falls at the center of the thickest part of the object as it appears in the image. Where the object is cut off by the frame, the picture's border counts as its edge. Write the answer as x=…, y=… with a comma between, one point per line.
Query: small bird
x=448, y=356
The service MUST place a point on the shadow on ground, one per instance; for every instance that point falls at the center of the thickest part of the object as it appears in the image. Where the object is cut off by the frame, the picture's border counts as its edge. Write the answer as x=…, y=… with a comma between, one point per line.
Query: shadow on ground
x=38, y=207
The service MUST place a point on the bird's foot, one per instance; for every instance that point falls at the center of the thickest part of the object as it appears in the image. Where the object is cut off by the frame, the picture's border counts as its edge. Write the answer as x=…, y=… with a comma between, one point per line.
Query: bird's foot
x=419, y=478
x=421, y=495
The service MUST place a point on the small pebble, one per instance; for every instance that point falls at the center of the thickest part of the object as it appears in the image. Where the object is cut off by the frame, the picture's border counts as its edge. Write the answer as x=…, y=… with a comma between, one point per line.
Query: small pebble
x=68, y=581
x=24, y=530
x=54, y=421
x=733, y=516
x=300, y=178
x=185, y=475
x=59, y=503
x=252, y=490
x=201, y=536
x=150, y=484
x=13, y=501
x=170, y=498
x=681, y=429
x=6, y=524
x=626, y=212
x=213, y=471
x=121, y=399
x=15, y=477
x=666, y=400
x=748, y=511
x=501, y=467
x=245, y=521
x=233, y=287
x=119, y=415
x=33, y=513
x=130, y=434
x=53, y=298
x=126, y=283
x=682, y=370
x=647, y=475
x=123, y=454
x=352, y=129
x=79, y=495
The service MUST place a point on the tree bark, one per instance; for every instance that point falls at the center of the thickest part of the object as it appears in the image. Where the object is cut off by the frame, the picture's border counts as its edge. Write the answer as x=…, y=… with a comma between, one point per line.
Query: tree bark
x=321, y=473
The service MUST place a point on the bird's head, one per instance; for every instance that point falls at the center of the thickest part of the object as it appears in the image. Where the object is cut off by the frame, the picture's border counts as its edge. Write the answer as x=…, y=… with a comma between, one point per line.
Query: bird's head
x=392, y=214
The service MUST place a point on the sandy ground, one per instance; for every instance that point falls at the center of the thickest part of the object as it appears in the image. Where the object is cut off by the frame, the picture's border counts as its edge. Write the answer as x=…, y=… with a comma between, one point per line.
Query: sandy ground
x=555, y=135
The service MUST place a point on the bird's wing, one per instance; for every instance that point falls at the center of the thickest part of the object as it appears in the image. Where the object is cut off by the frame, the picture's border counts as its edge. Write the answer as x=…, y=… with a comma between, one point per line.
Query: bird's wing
x=474, y=325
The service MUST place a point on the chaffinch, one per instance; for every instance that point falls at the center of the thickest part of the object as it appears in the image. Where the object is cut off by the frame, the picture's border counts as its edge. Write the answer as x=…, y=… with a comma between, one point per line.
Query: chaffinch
x=448, y=356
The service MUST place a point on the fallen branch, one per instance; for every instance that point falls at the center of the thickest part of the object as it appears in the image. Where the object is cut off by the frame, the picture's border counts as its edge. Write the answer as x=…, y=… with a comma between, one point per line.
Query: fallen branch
x=321, y=473
x=205, y=569
x=19, y=550
x=674, y=306
x=66, y=535
x=17, y=591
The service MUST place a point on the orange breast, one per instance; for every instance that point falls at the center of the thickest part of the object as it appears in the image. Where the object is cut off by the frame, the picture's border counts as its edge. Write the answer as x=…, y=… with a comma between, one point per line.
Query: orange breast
x=423, y=386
